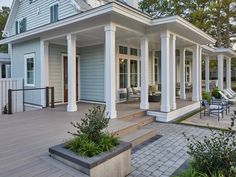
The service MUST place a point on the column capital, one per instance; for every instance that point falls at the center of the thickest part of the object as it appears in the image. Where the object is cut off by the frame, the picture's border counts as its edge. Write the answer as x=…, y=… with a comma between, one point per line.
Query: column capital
x=71, y=37
x=165, y=34
x=173, y=37
x=110, y=27
x=45, y=43
x=220, y=56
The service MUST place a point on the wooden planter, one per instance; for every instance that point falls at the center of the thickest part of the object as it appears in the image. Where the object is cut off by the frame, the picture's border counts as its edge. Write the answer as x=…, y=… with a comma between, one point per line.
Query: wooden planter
x=116, y=163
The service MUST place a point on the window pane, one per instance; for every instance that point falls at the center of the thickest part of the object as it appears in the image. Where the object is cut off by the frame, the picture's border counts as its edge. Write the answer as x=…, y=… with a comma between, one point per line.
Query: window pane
x=133, y=52
x=123, y=50
x=123, y=72
x=133, y=73
x=30, y=71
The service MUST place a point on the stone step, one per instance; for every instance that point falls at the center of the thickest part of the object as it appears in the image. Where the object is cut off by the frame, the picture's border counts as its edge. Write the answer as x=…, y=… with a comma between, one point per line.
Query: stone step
x=141, y=121
x=121, y=128
x=139, y=136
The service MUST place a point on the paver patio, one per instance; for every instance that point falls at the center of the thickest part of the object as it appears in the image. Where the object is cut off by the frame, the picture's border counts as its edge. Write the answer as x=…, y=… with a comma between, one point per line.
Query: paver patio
x=25, y=139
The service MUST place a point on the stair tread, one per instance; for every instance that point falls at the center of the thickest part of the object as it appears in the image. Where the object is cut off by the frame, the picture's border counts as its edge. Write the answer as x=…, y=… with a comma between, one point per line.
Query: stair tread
x=118, y=125
x=137, y=134
x=137, y=119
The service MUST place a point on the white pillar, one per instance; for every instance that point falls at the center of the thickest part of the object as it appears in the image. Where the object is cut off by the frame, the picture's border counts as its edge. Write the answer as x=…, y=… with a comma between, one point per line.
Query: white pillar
x=195, y=74
x=110, y=70
x=0, y=70
x=165, y=71
x=182, y=74
x=71, y=49
x=144, y=73
x=172, y=72
x=220, y=59
x=207, y=84
x=44, y=48
x=200, y=73
x=228, y=73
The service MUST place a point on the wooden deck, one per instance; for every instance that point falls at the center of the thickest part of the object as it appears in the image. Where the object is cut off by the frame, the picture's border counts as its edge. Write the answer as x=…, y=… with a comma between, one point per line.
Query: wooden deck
x=26, y=137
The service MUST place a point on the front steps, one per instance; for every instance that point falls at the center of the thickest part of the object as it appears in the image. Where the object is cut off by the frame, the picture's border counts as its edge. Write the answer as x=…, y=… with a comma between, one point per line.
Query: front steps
x=130, y=128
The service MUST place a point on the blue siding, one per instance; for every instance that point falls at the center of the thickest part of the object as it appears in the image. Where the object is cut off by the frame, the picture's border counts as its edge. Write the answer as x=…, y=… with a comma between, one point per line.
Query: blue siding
x=92, y=73
x=18, y=66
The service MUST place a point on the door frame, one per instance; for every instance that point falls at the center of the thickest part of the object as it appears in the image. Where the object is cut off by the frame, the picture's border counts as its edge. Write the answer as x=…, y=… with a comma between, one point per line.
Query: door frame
x=62, y=76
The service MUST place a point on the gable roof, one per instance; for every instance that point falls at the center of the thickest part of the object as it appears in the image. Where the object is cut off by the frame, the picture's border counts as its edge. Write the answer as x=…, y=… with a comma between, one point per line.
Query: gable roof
x=15, y=4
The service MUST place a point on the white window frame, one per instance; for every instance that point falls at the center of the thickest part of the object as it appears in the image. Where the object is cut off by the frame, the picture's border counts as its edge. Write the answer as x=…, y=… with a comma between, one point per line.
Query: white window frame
x=26, y=57
x=18, y=25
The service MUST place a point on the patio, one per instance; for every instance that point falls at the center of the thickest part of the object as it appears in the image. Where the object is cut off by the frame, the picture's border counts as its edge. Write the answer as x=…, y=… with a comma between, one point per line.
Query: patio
x=211, y=121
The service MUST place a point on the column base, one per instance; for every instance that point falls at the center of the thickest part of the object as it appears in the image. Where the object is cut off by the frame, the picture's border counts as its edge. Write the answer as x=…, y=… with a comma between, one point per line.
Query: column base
x=183, y=97
x=165, y=108
x=195, y=99
x=144, y=106
x=72, y=108
x=112, y=114
x=173, y=106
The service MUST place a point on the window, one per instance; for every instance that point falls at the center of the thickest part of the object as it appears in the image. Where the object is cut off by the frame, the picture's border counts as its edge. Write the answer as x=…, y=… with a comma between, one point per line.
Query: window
x=21, y=26
x=30, y=69
x=123, y=50
x=123, y=72
x=54, y=13
x=157, y=70
x=133, y=73
x=133, y=52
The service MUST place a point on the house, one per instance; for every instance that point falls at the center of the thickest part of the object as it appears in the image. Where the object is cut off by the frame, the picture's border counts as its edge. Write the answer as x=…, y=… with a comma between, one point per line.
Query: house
x=93, y=50
x=5, y=65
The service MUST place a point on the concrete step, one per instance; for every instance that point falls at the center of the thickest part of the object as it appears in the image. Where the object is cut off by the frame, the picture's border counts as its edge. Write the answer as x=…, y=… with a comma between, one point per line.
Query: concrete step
x=141, y=121
x=121, y=128
x=139, y=136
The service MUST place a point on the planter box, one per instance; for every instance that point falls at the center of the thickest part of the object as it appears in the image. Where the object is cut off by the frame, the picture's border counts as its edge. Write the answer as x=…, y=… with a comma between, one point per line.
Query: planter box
x=116, y=163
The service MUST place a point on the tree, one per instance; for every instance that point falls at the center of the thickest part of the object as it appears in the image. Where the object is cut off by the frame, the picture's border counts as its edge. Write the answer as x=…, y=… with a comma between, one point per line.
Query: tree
x=4, y=13
x=215, y=17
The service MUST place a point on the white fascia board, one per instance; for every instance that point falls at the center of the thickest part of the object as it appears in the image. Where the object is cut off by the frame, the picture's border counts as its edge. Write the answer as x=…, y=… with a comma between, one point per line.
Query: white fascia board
x=80, y=17
x=225, y=51
x=13, y=6
x=182, y=22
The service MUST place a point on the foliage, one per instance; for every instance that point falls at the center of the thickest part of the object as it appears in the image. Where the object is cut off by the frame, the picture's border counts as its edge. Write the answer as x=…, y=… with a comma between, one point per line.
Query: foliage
x=215, y=154
x=215, y=17
x=89, y=139
x=152, y=89
x=206, y=96
x=191, y=172
x=4, y=13
x=93, y=124
x=215, y=92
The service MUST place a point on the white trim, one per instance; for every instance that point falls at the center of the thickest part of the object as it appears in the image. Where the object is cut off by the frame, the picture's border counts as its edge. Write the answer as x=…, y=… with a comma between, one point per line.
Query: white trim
x=62, y=68
x=26, y=57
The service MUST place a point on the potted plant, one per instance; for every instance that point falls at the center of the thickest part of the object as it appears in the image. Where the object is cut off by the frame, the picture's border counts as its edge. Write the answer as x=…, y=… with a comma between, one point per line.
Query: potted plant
x=93, y=150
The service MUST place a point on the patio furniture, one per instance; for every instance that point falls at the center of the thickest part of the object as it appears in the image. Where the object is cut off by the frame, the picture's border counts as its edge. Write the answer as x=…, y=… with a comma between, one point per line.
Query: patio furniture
x=229, y=95
x=132, y=94
x=188, y=87
x=210, y=109
x=232, y=100
x=231, y=91
x=155, y=98
x=225, y=103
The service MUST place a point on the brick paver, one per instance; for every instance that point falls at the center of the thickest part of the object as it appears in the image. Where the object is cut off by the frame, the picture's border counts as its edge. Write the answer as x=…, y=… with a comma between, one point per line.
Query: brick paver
x=162, y=157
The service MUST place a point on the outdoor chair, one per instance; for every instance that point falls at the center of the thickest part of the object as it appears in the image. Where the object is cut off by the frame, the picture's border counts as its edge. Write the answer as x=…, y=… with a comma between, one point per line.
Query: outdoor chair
x=228, y=94
x=224, y=103
x=232, y=100
x=210, y=109
x=231, y=91
x=132, y=94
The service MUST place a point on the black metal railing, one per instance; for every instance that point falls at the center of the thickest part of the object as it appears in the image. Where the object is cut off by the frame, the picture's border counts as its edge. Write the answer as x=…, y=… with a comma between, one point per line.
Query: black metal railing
x=49, y=99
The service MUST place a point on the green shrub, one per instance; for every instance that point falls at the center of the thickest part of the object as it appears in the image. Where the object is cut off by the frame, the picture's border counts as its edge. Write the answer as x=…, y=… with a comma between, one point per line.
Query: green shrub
x=89, y=139
x=206, y=96
x=191, y=172
x=214, y=155
x=215, y=93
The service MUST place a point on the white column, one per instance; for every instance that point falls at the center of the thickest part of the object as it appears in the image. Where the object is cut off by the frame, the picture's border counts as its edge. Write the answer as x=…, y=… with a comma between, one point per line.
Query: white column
x=172, y=72
x=71, y=49
x=44, y=48
x=110, y=70
x=207, y=84
x=195, y=74
x=165, y=72
x=144, y=73
x=220, y=59
x=0, y=70
x=182, y=74
x=200, y=73
x=228, y=73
